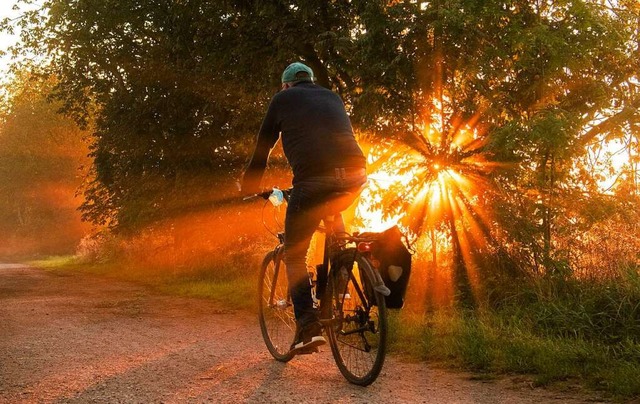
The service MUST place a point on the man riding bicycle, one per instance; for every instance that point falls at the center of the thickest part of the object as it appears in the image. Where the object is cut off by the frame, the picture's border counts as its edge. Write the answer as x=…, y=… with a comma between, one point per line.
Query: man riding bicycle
x=318, y=142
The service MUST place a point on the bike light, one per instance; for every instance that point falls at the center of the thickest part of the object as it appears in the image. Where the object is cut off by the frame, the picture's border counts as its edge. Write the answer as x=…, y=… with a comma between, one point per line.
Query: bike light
x=365, y=247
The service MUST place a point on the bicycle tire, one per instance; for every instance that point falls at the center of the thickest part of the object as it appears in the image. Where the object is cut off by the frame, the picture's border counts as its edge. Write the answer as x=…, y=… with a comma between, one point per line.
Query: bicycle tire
x=275, y=309
x=358, y=329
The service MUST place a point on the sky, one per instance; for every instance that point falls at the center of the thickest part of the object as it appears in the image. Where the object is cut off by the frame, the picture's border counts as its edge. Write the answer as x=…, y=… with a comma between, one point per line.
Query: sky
x=7, y=40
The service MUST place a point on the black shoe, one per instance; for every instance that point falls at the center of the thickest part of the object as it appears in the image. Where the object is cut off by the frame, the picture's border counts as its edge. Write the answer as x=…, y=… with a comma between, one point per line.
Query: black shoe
x=308, y=339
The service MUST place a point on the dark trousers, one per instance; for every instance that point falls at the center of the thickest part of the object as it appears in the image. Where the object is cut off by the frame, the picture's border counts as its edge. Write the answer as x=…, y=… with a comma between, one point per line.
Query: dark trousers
x=309, y=203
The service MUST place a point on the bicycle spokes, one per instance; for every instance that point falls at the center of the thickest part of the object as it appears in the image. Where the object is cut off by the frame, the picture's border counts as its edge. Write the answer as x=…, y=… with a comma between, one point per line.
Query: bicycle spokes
x=276, y=316
x=358, y=331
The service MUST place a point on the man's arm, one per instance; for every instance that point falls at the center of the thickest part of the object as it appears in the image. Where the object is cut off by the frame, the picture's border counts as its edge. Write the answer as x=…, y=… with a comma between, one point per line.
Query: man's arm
x=267, y=138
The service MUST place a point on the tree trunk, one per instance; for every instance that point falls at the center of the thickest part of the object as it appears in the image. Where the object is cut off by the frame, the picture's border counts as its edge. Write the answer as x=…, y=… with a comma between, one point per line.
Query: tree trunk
x=547, y=184
x=464, y=294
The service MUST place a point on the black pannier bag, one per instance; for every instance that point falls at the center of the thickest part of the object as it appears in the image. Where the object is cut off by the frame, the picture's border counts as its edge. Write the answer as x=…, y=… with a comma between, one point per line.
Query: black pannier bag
x=395, y=264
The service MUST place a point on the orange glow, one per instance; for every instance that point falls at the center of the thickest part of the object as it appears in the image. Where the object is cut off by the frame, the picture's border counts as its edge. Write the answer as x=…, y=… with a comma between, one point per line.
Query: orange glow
x=436, y=196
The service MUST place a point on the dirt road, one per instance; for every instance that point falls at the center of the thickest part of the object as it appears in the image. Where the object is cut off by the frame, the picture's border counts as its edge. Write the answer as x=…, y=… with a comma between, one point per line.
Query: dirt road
x=76, y=338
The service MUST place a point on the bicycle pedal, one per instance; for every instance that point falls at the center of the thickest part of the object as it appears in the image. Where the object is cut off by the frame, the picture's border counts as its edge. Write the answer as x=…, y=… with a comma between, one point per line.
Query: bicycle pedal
x=308, y=351
x=311, y=347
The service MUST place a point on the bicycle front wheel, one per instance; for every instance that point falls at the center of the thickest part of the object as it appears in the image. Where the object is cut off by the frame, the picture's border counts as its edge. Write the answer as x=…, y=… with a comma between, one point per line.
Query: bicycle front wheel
x=358, y=329
x=277, y=321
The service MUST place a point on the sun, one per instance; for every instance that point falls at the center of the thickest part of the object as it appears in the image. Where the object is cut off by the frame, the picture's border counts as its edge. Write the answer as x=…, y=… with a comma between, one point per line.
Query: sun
x=437, y=186
x=417, y=189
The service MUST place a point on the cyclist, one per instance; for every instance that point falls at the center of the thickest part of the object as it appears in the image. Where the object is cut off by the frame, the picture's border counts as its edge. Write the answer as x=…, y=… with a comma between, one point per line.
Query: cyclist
x=318, y=142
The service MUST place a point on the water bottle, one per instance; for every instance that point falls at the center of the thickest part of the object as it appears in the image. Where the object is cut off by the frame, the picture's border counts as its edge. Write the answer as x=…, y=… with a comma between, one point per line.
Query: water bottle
x=276, y=197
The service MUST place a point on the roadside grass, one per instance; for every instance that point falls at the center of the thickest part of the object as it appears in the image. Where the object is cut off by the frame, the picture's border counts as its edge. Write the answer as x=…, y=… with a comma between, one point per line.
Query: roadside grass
x=55, y=262
x=230, y=287
x=578, y=335
x=518, y=341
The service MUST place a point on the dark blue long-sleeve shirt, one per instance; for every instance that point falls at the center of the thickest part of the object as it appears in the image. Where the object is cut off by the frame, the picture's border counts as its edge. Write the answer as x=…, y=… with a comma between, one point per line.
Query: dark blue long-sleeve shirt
x=316, y=135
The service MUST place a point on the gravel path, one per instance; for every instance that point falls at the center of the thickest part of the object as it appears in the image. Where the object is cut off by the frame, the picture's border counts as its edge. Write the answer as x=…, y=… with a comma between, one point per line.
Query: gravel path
x=76, y=338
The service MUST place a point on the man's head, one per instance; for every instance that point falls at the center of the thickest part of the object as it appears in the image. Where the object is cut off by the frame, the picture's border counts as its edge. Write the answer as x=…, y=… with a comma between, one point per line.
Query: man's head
x=295, y=73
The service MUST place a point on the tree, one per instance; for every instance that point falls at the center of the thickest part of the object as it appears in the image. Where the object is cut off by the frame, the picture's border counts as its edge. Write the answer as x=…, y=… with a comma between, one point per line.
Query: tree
x=531, y=84
x=494, y=103
x=41, y=154
x=178, y=88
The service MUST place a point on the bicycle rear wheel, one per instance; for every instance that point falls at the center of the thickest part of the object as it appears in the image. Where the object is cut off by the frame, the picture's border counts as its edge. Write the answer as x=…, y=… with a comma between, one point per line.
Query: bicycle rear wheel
x=277, y=321
x=358, y=329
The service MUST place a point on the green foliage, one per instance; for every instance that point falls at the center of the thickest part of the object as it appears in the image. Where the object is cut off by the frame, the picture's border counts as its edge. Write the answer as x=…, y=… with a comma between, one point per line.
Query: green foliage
x=178, y=88
x=174, y=91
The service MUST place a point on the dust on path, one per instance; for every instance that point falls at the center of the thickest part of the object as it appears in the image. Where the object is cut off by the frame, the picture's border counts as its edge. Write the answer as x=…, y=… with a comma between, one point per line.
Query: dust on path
x=77, y=338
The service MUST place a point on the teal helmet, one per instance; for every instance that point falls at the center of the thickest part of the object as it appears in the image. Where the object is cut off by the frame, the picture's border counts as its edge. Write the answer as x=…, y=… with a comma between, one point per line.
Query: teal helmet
x=290, y=74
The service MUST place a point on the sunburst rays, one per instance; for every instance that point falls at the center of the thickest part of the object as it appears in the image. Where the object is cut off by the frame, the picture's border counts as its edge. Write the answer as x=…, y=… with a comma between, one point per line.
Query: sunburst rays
x=437, y=182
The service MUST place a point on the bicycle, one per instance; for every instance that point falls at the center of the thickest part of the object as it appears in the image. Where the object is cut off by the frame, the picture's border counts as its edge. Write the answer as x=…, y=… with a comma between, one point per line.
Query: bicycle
x=350, y=295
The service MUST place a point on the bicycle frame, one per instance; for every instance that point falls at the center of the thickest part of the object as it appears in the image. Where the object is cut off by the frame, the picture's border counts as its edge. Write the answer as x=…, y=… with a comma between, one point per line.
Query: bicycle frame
x=278, y=250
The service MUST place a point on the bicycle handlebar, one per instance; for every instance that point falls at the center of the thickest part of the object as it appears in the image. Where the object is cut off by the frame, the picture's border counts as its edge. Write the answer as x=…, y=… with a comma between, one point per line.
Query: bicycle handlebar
x=267, y=194
x=263, y=195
